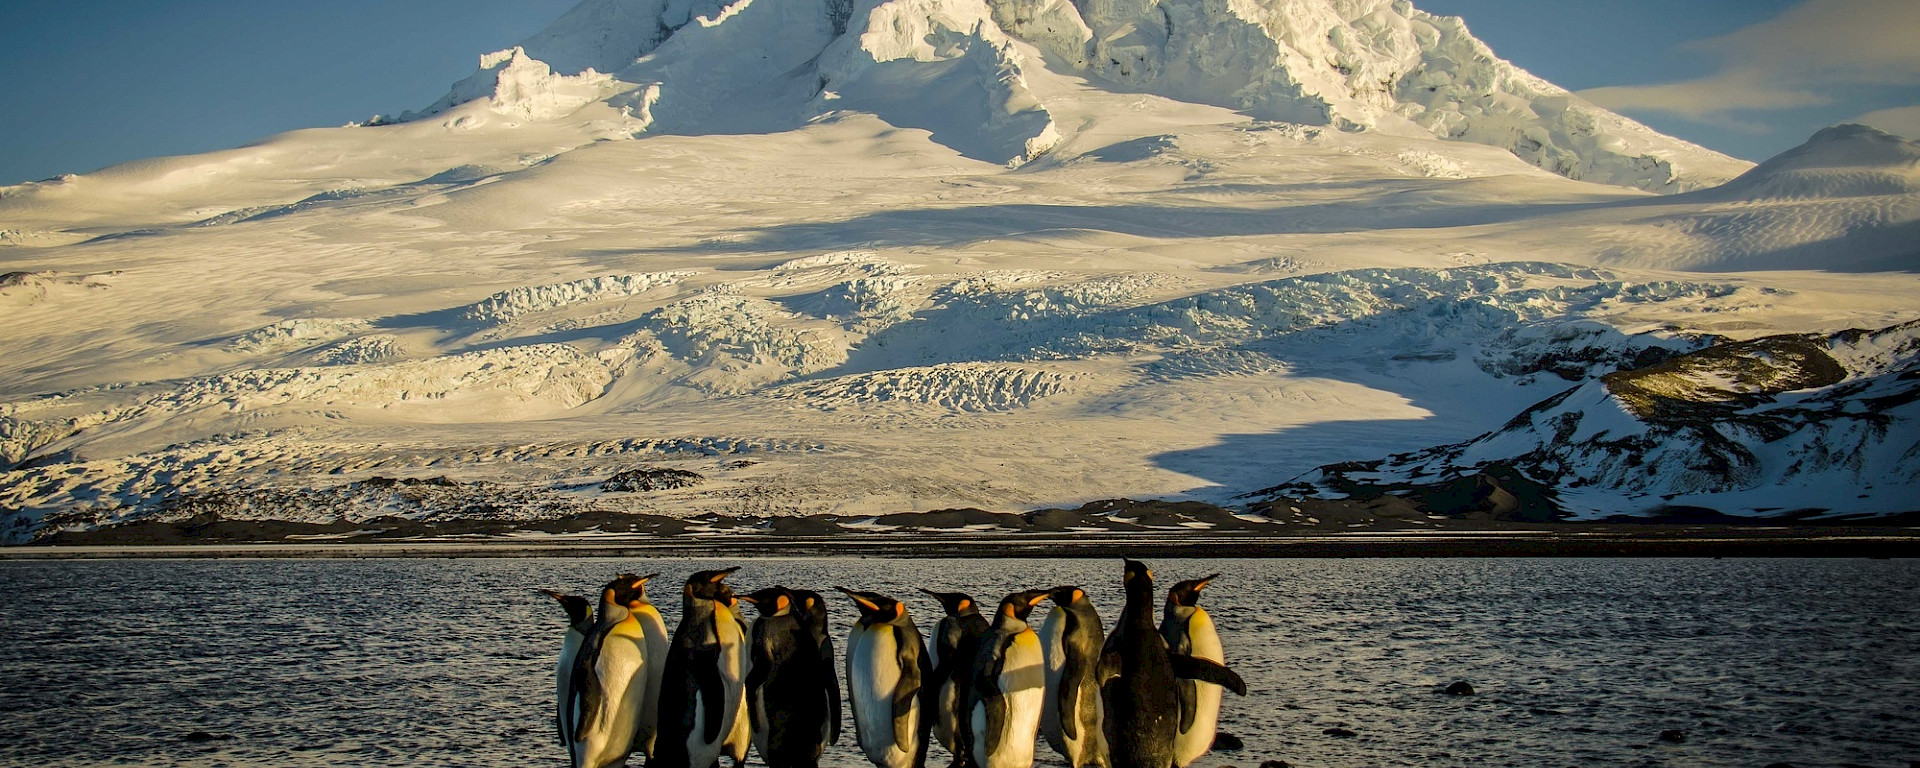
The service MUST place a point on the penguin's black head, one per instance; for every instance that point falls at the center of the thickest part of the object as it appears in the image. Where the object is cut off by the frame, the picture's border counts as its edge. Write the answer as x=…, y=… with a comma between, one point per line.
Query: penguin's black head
x=1019, y=604
x=772, y=601
x=812, y=607
x=1065, y=596
x=711, y=585
x=578, y=608
x=876, y=608
x=1188, y=592
x=955, y=603
x=629, y=590
x=1138, y=572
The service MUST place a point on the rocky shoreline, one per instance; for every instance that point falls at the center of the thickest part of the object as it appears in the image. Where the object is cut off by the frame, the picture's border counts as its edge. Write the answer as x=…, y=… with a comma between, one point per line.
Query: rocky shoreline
x=1101, y=529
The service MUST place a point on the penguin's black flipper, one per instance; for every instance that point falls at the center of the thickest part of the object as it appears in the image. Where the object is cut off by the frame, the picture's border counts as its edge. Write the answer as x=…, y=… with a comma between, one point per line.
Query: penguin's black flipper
x=929, y=706
x=911, y=657
x=831, y=680
x=1109, y=666
x=705, y=663
x=757, y=674
x=586, y=687
x=1189, y=704
x=1069, y=675
x=986, y=684
x=1203, y=670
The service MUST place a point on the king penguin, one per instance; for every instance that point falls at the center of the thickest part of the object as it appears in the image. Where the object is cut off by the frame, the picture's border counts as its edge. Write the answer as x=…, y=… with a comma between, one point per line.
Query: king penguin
x=956, y=640
x=1070, y=639
x=579, y=625
x=1009, y=686
x=887, y=670
x=813, y=616
x=1189, y=630
x=786, y=701
x=740, y=738
x=608, y=682
x=1138, y=677
x=702, y=689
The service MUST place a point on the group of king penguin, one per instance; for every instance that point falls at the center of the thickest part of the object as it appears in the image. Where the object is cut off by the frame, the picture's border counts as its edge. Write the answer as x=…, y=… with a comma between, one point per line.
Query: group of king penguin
x=1145, y=695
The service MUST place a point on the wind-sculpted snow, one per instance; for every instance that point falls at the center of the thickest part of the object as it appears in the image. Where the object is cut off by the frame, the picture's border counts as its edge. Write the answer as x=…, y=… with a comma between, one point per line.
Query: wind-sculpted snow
x=738, y=342
x=970, y=387
x=1801, y=424
x=372, y=348
x=1419, y=306
x=508, y=305
x=512, y=382
x=298, y=333
x=32, y=287
x=1846, y=200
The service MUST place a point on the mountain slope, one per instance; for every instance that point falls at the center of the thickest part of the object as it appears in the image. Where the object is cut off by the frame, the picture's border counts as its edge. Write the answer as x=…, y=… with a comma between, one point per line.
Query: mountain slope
x=813, y=280
x=1805, y=424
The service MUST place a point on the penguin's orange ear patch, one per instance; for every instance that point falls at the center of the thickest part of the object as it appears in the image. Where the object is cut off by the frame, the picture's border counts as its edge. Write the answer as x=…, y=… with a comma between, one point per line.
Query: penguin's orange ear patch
x=1079, y=595
x=962, y=605
x=899, y=610
x=780, y=603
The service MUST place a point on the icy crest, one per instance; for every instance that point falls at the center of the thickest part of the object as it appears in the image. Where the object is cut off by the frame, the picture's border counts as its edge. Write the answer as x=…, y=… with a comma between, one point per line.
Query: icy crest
x=959, y=69
x=517, y=85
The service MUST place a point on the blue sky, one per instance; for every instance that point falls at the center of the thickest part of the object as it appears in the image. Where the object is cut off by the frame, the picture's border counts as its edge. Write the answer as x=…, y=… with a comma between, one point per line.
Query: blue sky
x=91, y=83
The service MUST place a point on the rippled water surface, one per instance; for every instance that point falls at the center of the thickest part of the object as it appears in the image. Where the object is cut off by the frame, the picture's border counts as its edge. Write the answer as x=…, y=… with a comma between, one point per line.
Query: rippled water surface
x=449, y=662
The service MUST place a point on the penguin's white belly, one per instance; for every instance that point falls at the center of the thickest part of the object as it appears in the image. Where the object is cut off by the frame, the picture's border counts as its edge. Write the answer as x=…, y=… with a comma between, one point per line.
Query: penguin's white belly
x=563, y=684
x=873, y=672
x=733, y=686
x=656, y=642
x=1053, y=649
x=1190, y=744
x=736, y=654
x=1089, y=745
x=621, y=671
x=1022, y=683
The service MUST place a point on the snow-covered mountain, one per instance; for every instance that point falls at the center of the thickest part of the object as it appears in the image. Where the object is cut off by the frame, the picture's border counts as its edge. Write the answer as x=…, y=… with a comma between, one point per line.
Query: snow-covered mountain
x=815, y=259
x=1804, y=425
x=958, y=68
x=1848, y=199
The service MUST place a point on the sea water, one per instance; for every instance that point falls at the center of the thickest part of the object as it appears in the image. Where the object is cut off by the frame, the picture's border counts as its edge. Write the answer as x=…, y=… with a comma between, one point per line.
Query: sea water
x=450, y=662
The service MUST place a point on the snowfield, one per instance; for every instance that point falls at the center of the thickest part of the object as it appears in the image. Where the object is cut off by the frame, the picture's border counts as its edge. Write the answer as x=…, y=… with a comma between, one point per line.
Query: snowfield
x=867, y=258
